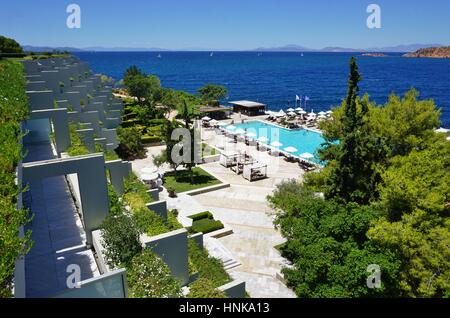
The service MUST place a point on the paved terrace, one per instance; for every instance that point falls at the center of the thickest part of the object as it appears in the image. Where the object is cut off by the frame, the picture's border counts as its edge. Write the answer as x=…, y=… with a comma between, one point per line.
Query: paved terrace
x=57, y=232
x=242, y=207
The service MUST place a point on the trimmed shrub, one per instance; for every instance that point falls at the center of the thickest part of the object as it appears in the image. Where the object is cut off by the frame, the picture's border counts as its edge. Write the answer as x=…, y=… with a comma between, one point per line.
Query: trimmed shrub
x=146, y=139
x=206, y=226
x=148, y=276
x=201, y=215
x=133, y=185
x=204, y=288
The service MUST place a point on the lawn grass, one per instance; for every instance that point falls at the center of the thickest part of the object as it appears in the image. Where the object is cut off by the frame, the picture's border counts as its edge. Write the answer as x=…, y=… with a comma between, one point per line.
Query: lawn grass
x=180, y=181
x=207, y=150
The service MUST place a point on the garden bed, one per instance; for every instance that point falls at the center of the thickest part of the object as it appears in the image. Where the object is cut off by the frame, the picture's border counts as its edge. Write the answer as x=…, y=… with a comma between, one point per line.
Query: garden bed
x=204, y=223
x=180, y=181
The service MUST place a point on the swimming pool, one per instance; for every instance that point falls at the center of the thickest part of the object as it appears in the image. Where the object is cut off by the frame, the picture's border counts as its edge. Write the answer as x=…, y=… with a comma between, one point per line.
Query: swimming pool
x=305, y=141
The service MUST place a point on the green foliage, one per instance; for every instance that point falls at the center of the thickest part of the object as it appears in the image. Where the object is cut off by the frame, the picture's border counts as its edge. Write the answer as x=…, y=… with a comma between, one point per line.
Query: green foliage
x=201, y=215
x=120, y=239
x=327, y=243
x=130, y=146
x=203, y=288
x=13, y=109
x=206, y=226
x=149, y=277
x=211, y=94
x=8, y=45
x=183, y=180
x=147, y=139
x=133, y=185
x=115, y=206
x=149, y=222
x=208, y=267
x=77, y=148
x=142, y=86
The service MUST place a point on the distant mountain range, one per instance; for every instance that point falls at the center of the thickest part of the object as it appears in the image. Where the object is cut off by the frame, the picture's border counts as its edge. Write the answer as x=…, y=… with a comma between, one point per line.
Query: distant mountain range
x=392, y=49
x=286, y=48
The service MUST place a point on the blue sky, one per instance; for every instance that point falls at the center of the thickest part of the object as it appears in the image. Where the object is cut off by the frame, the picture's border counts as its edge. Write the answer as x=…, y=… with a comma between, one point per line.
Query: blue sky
x=226, y=24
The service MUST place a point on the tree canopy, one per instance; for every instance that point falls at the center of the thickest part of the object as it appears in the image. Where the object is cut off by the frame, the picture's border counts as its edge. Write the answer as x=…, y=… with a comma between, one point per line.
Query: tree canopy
x=8, y=45
x=386, y=201
x=211, y=94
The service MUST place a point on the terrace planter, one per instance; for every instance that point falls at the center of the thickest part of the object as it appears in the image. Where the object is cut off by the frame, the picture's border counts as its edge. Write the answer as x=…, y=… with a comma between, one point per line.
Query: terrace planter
x=172, y=193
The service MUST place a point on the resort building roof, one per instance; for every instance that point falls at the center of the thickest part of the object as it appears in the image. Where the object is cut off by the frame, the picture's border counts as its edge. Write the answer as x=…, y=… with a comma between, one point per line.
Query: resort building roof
x=247, y=103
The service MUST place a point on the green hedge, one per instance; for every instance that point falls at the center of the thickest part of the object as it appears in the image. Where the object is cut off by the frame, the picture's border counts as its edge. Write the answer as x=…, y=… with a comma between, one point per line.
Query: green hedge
x=206, y=226
x=130, y=123
x=201, y=215
x=13, y=110
x=146, y=139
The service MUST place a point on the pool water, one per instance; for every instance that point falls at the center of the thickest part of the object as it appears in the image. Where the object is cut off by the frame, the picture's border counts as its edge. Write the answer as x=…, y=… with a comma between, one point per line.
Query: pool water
x=305, y=141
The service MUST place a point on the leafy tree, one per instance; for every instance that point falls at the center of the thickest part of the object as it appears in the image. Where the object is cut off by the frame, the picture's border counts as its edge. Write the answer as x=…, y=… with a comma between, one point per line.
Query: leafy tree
x=354, y=176
x=8, y=45
x=149, y=277
x=142, y=86
x=120, y=239
x=130, y=145
x=326, y=241
x=405, y=123
x=187, y=116
x=211, y=94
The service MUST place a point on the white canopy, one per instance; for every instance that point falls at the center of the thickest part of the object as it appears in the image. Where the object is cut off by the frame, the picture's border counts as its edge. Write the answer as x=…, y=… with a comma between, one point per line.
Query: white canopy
x=276, y=144
x=149, y=176
x=292, y=114
x=299, y=109
x=307, y=155
x=263, y=139
x=290, y=149
x=302, y=112
x=213, y=122
x=149, y=170
x=290, y=110
x=206, y=118
x=322, y=113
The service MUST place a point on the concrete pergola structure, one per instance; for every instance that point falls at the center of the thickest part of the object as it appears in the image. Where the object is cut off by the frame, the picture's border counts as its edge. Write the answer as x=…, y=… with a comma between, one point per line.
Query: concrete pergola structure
x=92, y=182
x=60, y=126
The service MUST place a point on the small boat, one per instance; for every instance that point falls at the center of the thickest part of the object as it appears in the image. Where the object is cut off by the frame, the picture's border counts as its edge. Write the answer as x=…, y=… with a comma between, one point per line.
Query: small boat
x=159, y=56
x=211, y=54
x=301, y=54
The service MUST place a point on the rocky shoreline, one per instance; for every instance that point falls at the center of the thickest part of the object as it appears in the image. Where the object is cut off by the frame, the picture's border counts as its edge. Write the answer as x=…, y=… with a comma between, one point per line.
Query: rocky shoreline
x=431, y=52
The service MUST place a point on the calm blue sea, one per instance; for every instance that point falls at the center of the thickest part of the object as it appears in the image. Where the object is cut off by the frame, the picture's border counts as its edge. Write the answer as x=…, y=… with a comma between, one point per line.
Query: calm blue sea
x=275, y=78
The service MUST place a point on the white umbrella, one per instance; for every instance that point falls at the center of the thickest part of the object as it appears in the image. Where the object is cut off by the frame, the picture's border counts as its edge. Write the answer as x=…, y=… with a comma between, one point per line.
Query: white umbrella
x=276, y=144
x=251, y=134
x=329, y=112
x=307, y=155
x=312, y=113
x=442, y=130
x=231, y=127
x=322, y=113
x=290, y=110
x=240, y=131
x=322, y=117
x=302, y=112
x=290, y=149
x=292, y=114
x=263, y=139
x=299, y=109
x=149, y=177
x=206, y=118
x=149, y=170
x=281, y=112
x=213, y=122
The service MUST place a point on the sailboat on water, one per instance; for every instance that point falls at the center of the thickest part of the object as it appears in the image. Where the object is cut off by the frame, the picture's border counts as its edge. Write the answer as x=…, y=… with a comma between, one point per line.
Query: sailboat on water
x=159, y=56
x=211, y=54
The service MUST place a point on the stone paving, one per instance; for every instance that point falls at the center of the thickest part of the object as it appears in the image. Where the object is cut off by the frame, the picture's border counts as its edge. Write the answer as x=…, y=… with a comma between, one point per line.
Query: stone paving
x=57, y=232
